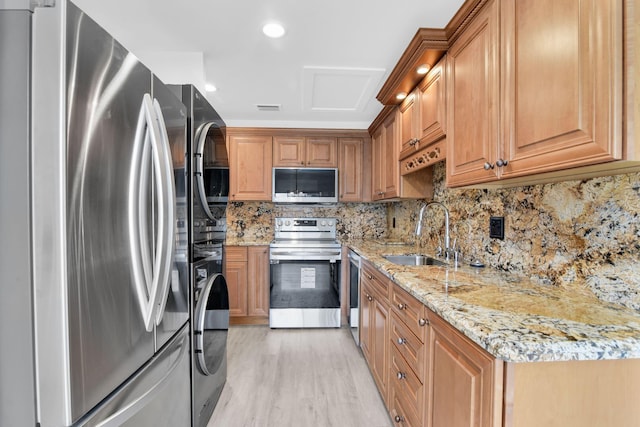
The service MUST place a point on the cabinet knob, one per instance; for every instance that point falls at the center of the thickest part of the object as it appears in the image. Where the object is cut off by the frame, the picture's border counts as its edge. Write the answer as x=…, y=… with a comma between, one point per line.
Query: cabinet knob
x=488, y=166
x=399, y=419
x=500, y=163
x=369, y=297
x=402, y=306
x=401, y=375
x=401, y=340
x=423, y=322
x=370, y=277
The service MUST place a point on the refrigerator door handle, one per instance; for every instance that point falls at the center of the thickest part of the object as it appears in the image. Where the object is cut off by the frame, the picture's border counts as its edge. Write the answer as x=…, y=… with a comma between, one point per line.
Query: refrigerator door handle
x=134, y=407
x=167, y=207
x=149, y=271
x=201, y=136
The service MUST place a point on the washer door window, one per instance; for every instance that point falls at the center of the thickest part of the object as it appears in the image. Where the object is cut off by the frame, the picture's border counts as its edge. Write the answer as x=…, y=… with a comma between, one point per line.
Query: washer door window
x=211, y=325
x=212, y=167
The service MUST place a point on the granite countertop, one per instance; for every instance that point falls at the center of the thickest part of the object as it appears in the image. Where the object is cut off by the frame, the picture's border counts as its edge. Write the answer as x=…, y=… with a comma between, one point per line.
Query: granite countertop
x=511, y=317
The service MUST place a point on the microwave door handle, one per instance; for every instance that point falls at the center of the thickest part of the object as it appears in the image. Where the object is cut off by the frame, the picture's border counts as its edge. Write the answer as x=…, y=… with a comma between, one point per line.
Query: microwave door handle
x=201, y=137
x=165, y=246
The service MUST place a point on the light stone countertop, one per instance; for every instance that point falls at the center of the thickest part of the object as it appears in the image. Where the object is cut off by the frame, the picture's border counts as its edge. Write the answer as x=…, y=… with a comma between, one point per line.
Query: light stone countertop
x=513, y=318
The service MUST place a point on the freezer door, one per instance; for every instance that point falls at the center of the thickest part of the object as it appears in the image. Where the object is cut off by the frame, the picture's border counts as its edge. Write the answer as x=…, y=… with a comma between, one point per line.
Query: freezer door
x=158, y=396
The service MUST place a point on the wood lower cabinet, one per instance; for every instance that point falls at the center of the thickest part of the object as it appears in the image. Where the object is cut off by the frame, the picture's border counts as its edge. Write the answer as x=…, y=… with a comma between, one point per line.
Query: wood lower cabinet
x=428, y=373
x=466, y=381
x=246, y=269
x=250, y=159
x=374, y=326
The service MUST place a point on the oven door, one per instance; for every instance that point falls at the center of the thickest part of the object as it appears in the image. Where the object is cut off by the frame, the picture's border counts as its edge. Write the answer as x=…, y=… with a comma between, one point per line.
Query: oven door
x=305, y=290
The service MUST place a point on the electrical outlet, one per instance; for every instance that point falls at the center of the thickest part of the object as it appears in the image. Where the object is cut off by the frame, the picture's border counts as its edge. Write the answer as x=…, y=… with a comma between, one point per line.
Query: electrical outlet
x=496, y=227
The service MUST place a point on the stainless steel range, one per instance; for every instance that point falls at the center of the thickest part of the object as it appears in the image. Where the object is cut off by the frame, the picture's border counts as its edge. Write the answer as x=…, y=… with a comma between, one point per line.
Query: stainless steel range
x=305, y=274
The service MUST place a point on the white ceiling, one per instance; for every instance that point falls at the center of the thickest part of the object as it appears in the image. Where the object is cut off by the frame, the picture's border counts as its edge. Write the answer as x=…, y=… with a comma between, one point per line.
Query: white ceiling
x=324, y=73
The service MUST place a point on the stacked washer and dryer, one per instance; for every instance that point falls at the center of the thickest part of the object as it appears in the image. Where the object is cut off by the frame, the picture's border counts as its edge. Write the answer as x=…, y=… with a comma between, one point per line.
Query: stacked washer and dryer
x=207, y=182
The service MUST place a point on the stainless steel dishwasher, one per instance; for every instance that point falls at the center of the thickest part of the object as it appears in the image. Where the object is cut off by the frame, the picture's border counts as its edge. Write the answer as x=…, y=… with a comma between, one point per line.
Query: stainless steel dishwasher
x=353, y=295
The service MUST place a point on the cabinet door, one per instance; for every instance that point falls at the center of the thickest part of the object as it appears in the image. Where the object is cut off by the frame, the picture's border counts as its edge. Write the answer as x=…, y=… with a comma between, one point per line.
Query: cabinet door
x=350, y=170
x=322, y=152
x=472, y=101
x=235, y=272
x=380, y=345
x=390, y=154
x=562, y=84
x=258, y=281
x=432, y=111
x=250, y=159
x=377, y=164
x=288, y=151
x=409, y=124
x=466, y=381
x=366, y=302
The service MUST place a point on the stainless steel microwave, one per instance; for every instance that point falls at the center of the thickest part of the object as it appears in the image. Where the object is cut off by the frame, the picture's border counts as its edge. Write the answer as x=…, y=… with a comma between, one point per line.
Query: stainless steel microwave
x=305, y=185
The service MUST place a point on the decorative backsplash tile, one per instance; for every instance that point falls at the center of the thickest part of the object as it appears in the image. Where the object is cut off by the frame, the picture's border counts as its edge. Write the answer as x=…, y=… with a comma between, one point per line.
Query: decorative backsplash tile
x=252, y=222
x=582, y=234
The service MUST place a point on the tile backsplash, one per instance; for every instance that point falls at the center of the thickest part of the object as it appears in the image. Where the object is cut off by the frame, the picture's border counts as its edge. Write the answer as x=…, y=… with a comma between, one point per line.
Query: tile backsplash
x=582, y=234
x=579, y=234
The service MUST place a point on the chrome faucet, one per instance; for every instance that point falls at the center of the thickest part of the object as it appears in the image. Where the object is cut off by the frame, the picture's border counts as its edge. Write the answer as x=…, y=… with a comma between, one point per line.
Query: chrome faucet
x=447, y=247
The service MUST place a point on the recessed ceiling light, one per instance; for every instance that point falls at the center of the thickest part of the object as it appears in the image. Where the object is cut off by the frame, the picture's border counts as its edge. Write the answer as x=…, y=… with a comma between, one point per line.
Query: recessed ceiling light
x=423, y=69
x=273, y=30
x=210, y=88
x=401, y=95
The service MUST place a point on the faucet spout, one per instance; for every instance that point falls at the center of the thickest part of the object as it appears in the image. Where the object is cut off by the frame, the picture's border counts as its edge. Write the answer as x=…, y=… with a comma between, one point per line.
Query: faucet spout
x=447, y=245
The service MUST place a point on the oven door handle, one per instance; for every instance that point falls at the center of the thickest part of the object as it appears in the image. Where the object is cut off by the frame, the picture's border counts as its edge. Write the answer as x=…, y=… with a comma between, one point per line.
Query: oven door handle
x=306, y=254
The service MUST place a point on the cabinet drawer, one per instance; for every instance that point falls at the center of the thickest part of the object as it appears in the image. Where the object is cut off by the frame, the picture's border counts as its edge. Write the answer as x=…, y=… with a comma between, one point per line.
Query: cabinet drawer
x=378, y=281
x=235, y=254
x=412, y=312
x=407, y=392
x=407, y=344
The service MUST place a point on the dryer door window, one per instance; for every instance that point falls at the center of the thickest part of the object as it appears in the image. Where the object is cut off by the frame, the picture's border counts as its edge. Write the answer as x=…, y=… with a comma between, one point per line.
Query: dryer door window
x=211, y=325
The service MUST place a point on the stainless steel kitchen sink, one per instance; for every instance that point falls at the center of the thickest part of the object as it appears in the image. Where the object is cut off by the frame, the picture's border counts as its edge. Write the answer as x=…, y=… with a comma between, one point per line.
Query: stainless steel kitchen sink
x=413, y=260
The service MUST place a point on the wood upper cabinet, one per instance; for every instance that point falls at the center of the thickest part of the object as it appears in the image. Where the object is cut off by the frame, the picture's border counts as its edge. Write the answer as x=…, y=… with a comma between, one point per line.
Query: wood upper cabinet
x=246, y=270
x=552, y=102
x=562, y=88
x=466, y=381
x=293, y=151
x=350, y=169
x=250, y=159
x=385, y=158
x=472, y=100
x=433, y=105
x=386, y=180
x=423, y=114
x=409, y=123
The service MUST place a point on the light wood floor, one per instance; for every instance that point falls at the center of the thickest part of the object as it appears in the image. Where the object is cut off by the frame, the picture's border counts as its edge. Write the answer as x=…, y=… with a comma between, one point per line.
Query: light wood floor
x=297, y=377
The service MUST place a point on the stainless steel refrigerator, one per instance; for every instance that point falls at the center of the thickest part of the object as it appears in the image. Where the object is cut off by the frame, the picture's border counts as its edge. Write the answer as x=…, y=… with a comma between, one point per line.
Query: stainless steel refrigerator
x=94, y=317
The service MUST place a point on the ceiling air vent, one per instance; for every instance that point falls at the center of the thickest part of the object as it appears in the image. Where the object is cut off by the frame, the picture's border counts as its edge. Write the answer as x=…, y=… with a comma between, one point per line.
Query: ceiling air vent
x=268, y=107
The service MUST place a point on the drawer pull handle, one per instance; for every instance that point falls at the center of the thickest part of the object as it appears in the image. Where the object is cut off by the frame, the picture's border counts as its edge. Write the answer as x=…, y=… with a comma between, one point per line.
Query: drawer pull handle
x=399, y=419
x=423, y=322
x=401, y=375
x=401, y=341
x=402, y=306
